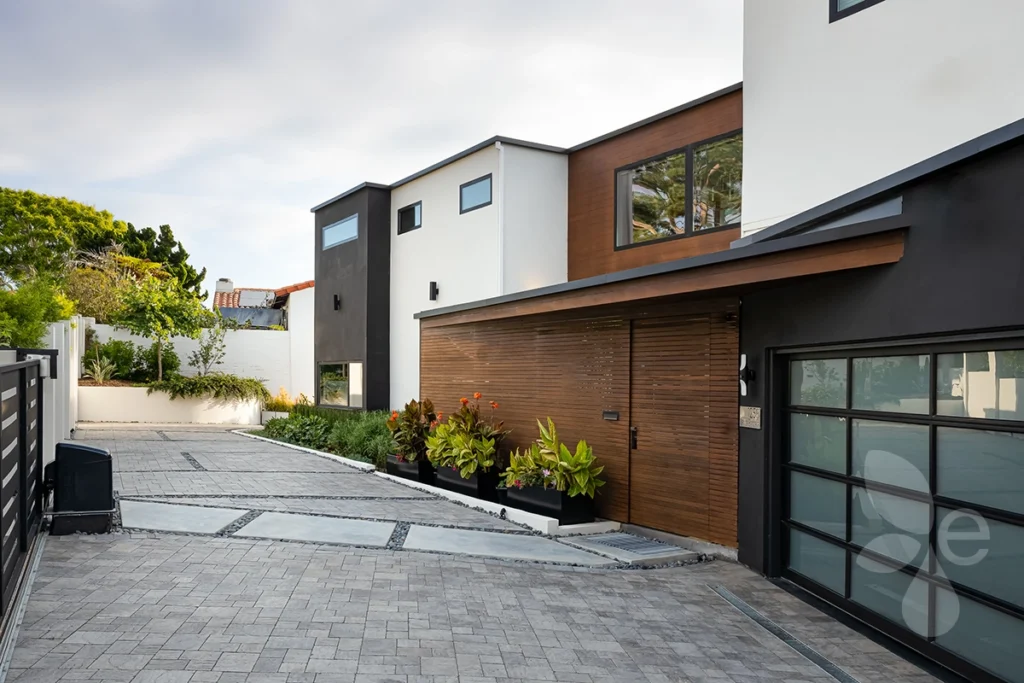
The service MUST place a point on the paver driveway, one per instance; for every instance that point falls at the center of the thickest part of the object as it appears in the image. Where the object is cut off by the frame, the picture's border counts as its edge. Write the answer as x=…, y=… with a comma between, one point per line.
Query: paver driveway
x=171, y=608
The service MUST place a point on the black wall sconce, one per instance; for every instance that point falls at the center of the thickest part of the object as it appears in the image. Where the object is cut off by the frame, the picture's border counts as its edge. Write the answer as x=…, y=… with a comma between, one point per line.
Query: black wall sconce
x=337, y=302
x=747, y=374
x=434, y=291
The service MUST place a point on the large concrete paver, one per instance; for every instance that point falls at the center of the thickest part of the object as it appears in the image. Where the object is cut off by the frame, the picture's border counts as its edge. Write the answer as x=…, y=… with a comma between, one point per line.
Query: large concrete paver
x=487, y=544
x=275, y=525
x=185, y=518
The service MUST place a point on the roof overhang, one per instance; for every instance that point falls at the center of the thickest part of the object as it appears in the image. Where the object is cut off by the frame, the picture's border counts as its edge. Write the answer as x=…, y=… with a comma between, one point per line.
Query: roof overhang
x=871, y=243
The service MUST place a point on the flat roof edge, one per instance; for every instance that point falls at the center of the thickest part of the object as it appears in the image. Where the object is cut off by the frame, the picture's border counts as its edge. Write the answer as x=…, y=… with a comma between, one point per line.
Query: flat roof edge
x=352, y=190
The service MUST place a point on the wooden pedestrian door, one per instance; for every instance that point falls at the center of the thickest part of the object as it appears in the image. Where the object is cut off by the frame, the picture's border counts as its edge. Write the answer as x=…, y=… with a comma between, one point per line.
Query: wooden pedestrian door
x=683, y=425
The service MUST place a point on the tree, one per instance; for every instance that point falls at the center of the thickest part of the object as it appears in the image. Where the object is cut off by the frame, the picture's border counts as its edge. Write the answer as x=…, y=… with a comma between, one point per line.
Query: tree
x=160, y=309
x=164, y=249
x=27, y=311
x=212, y=348
x=40, y=235
x=101, y=280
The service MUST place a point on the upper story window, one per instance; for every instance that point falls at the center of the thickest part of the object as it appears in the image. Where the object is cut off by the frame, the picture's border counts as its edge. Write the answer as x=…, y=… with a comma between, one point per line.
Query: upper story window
x=345, y=230
x=839, y=9
x=683, y=193
x=410, y=217
x=475, y=194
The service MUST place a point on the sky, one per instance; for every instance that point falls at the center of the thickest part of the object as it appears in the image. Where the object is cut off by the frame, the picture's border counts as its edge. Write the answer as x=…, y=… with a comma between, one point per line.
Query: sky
x=230, y=119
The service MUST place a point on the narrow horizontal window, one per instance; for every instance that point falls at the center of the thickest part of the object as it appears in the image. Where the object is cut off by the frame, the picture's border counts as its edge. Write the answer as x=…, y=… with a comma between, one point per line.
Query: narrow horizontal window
x=345, y=230
x=410, y=217
x=475, y=194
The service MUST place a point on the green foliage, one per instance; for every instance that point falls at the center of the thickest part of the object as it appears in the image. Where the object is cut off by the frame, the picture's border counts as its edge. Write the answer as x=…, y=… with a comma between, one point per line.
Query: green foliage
x=149, y=360
x=121, y=355
x=159, y=309
x=40, y=235
x=211, y=349
x=468, y=441
x=410, y=429
x=281, y=403
x=162, y=247
x=100, y=370
x=216, y=386
x=26, y=312
x=309, y=431
x=96, y=293
x=362, y=436
x=550, y=463
x=332, y=415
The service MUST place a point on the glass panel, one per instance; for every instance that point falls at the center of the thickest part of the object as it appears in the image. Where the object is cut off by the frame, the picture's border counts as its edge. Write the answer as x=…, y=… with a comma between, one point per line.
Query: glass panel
x=334, y=384
x=818, y=441
x=818, y=560
x=847, y=4
x=355, y=385
x=984, y=636
x=656, y=191
x=982, y=554
x=896, y=384
x=409, y=218
x=818, y=383
x=890, y=525
x=891, y=453
x=717, y=183
x=982, y=467
x=818, y=503
x=988, y=385
x=476, y=194
x=898, y=597
x=344, y=230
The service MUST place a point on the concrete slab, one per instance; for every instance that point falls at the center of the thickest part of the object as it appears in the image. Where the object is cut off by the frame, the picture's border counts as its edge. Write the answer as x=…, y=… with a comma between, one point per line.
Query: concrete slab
x=632, y=549
x=166, y=517
x=492, y=544
x=275, y=525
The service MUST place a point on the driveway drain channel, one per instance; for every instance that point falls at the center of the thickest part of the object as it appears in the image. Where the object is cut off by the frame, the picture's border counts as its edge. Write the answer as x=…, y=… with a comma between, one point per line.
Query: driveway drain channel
x=785, y=636
x=192, y=461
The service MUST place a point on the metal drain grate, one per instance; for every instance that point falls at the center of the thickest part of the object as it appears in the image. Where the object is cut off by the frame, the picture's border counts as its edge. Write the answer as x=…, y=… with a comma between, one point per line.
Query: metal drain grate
x=633, y=544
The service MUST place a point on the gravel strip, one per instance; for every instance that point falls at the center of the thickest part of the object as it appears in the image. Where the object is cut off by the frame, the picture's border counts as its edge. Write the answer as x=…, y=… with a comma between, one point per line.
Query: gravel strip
x=239, y=523
x=397, y=539
x=192, y=461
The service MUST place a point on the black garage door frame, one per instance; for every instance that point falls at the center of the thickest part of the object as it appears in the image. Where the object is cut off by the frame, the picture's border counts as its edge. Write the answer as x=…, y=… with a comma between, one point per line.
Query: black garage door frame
x=777, y=484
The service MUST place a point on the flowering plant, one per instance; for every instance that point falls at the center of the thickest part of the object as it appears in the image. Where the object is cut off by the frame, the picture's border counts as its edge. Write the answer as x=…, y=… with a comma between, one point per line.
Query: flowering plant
x=550, y=464
x=410, y=429
x=468, y=441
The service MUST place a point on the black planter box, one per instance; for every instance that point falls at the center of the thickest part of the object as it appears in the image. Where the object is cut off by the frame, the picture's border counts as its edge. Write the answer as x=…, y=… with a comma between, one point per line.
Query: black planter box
x=481, y=485
x=420, y=470
x=552, y=503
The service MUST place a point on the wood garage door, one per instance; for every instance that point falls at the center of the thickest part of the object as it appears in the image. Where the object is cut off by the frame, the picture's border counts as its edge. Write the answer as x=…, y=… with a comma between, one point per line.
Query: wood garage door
x=683, y=410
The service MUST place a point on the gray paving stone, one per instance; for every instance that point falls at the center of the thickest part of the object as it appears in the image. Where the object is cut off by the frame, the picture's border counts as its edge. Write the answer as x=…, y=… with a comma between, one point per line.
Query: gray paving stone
x=508, y=546
x=275, y=525
x=166, y=517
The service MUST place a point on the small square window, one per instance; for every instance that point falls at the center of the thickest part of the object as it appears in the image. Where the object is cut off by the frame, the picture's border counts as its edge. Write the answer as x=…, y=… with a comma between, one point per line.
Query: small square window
x=341, y=384
x=475, y=194
x=410, y=217
x=345, y=230
x=840, y=9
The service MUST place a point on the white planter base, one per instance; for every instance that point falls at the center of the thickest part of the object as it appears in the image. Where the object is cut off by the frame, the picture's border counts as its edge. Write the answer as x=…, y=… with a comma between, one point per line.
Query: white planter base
x=133, y=404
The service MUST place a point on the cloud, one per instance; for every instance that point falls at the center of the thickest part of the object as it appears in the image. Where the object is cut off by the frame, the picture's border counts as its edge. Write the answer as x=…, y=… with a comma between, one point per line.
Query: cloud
x=229, y=115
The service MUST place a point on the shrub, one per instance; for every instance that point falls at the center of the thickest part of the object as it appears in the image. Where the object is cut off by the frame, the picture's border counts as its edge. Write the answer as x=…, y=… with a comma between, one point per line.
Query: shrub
x=217, y=386
x=332, y=415
x=363, y=436
x=282, y=403
x=146, y=368
x=27, y=311
x=468, y=441
x=410, y=429
x=121, y=354
x=310, y=431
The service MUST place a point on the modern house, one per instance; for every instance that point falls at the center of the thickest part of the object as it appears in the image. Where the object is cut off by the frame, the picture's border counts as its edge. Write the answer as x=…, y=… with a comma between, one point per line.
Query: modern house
x=804, y=340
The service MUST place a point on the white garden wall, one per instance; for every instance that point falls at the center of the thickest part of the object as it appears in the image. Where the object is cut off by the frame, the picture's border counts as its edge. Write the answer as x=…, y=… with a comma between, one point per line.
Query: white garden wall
x=133, y=404
x=300, y=332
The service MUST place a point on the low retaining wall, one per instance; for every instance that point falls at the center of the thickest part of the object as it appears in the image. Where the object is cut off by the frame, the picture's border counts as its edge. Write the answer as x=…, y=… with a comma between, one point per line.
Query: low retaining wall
x=132, y=404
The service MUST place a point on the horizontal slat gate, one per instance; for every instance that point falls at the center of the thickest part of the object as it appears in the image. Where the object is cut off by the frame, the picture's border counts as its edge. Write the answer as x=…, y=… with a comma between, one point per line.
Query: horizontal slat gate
x=568, y=370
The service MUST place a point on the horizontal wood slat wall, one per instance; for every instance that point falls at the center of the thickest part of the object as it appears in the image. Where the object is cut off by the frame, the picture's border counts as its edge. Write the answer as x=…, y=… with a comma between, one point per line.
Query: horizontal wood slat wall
x=591, y=224
x=572, y=368
x=568, y=370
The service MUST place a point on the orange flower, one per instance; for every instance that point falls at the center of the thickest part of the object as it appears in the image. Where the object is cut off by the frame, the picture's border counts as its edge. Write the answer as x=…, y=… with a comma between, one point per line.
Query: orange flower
x=478, y=396
x=464, y=401
x=494, y=406
x=439, y=415
x=433, y=424
x=394, y=414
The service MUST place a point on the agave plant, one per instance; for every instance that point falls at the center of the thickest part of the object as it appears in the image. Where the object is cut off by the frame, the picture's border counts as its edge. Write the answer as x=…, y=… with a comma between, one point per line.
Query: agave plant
x=100, y=370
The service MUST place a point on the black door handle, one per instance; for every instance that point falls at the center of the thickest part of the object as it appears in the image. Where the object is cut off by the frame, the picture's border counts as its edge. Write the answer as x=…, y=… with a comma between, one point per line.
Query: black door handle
x=632, y=438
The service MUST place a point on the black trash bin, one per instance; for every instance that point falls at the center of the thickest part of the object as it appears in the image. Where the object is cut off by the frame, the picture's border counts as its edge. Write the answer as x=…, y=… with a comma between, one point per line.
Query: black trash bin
x=83, y=489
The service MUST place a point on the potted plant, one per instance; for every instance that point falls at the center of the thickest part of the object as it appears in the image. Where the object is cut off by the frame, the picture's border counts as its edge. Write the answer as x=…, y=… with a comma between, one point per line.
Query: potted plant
x=409, y=430
x=549, y=479
x=464, y=450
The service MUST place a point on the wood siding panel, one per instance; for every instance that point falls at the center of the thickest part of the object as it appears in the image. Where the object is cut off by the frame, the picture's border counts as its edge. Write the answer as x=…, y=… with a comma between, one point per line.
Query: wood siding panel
x=568, y=370
x=591, y=223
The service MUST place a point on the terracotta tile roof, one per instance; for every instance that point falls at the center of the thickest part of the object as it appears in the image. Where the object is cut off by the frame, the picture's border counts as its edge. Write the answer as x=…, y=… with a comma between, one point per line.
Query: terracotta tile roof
x=297, y=287
x=231, y=299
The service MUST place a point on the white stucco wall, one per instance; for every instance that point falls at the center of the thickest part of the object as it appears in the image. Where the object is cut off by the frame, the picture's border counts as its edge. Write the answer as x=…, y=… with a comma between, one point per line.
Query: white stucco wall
x=536, y=207
x=300, y=334
x=133, y=404
x=265, y=354
x=828, y=108
x=459, y=252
